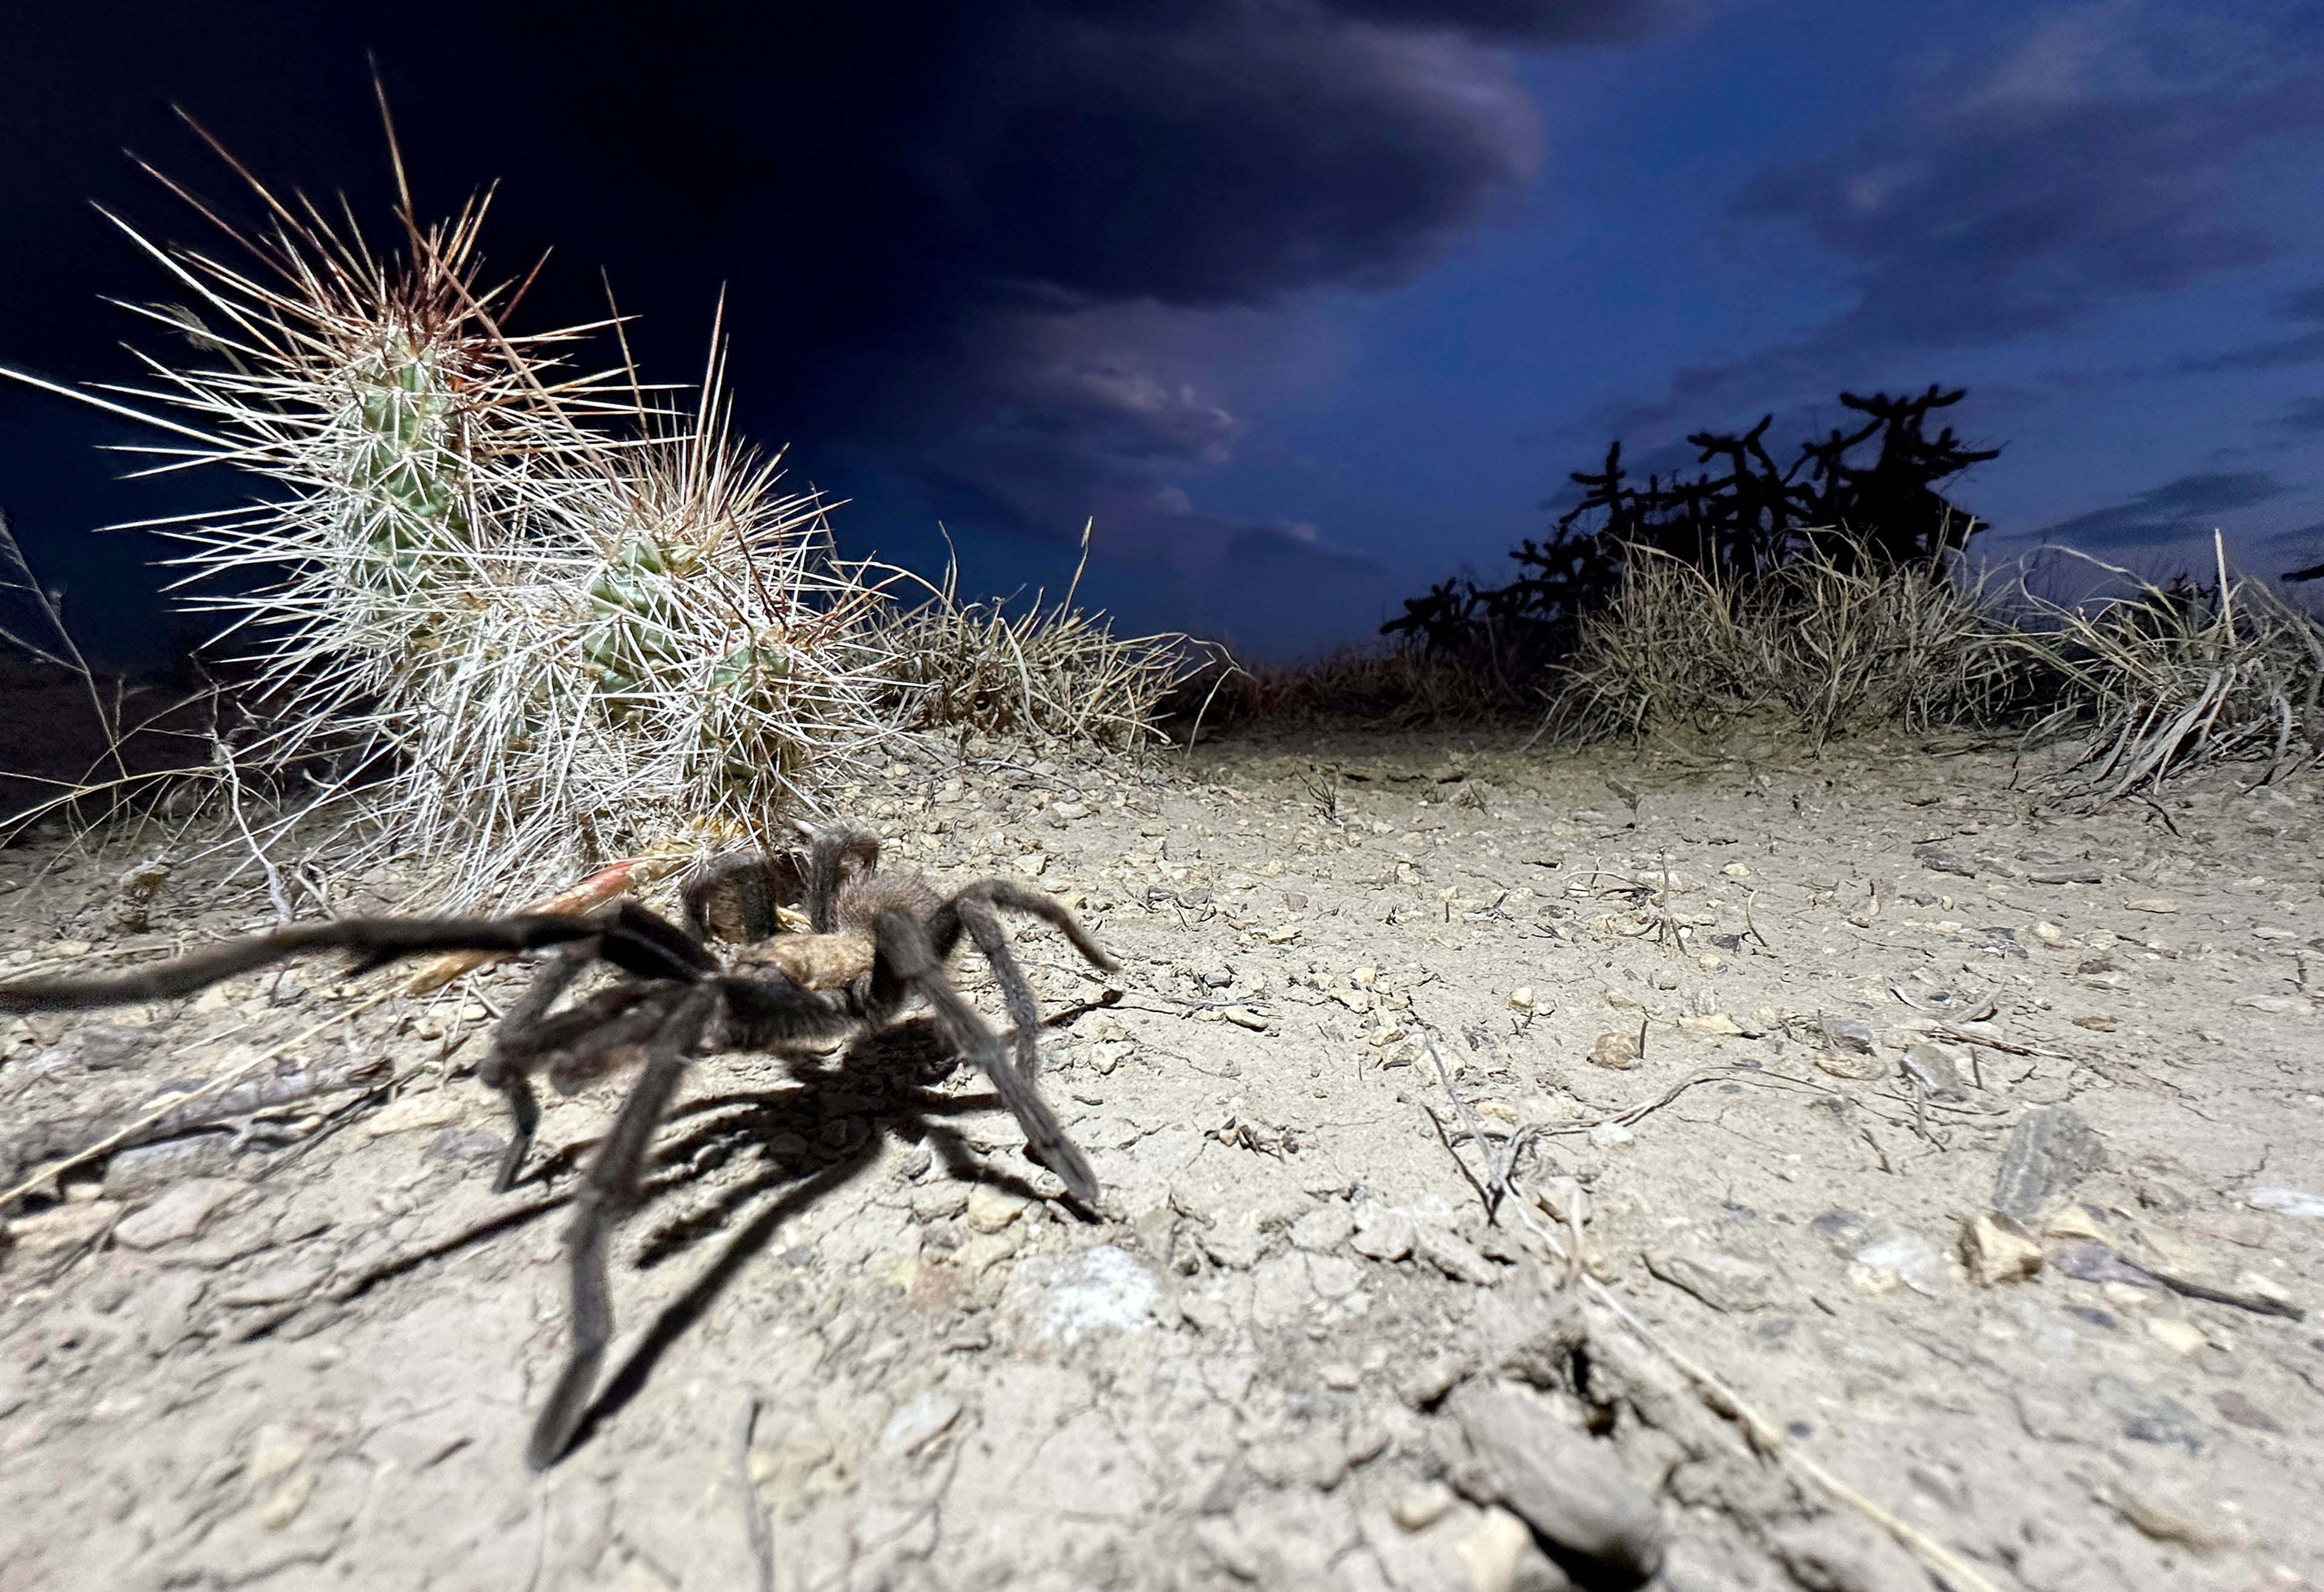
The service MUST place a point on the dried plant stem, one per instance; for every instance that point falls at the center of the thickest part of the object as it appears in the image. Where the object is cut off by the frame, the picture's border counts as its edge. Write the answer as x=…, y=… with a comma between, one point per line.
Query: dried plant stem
x=45, y=1177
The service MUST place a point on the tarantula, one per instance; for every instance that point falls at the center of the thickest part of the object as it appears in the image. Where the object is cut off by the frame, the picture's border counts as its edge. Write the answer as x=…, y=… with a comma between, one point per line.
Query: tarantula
x=873, y=942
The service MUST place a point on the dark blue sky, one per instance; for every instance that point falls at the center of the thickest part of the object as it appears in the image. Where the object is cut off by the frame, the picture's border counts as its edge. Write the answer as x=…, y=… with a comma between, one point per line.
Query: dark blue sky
x=1309, y=304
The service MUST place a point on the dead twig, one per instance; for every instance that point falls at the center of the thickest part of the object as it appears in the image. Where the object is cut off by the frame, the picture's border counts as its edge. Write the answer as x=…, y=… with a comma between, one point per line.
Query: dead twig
x=45, y=1177
x=758, y=1526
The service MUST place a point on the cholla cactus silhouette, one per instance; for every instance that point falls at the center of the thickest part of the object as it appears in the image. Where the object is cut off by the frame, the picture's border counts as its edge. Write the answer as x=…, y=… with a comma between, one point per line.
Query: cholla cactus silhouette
x=1743, y=522
x=509, y=615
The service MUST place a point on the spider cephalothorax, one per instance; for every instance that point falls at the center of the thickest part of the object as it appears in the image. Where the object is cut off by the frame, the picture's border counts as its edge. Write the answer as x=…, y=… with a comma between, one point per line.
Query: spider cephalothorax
x=829, y=945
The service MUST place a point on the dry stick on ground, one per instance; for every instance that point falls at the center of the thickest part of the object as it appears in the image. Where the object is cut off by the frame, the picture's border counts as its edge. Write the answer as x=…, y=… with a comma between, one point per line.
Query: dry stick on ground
x=1719, y=1397
x=1500, y=1166
x=72, y=1137
x=45, y=1177
x=1771, y=1440
x=761, y=1528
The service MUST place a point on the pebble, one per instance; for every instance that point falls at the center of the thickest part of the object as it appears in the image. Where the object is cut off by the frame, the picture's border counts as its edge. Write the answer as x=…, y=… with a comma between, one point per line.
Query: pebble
x=1334, y=1277
x=1521, y=998
x=1910, y=1258
x=982, y=1252
x=1846, y=1064
x=938, y=1200
x=1724, y=1281
x=1280, y=1290
x=63, y=1227
x=164, y=1310
x=1067, y=1297
x=1324, y=1228
x=1418, y=1507
x=2075, y=1221
x=1998, y=1249
x=2167, y=1510
x=1381, y=1234
x=2048, y=1152
x=1234, y=1245
x=1941, y=1070
x=2181, y=1336
x=180, y=1214
x=991, y=1209
x=918, y=1422
x=1853, y=1035
x=1606, y=1135
x=2291, y=1202
x=1938, y=860
x=1500, y=1555
x=1433, y=1378
x=1454, y=1256
x=1619, y=1052
x=2241, y=1412
x=1568, y=1487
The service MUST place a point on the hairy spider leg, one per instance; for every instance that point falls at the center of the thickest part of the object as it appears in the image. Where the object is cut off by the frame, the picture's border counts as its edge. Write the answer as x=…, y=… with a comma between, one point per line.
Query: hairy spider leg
x=581, y=1043
x=762, y=882
x=607, y=1192
x=649, y=945
x=514, y=1046
x=911, y=960
x=973, y=909
x=379, y=941
x=827, y=859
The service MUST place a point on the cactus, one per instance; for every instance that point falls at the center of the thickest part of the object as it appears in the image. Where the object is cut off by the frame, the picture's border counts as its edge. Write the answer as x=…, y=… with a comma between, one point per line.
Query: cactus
x=511, y=609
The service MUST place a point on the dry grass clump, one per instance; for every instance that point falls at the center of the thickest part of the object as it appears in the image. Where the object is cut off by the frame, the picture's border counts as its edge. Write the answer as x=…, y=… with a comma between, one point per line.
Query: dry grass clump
x=500, y=618
x=2165, y=681
x=1045, y=674
x=1831, y=645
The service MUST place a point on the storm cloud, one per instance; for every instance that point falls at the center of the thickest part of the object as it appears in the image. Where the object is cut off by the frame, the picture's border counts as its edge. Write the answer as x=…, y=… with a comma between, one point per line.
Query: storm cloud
x=1011, y=265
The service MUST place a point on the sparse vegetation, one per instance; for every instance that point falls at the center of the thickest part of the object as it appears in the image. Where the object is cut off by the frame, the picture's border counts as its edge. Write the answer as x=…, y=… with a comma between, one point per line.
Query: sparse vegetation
x=1045, y=674
x=1742, y=524
x=2165, y=679
x=501, y=619
x=1833, y=640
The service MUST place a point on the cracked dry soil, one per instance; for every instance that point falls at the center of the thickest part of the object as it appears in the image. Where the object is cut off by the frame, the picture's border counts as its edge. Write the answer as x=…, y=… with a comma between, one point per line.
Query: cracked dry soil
x=858, y=1349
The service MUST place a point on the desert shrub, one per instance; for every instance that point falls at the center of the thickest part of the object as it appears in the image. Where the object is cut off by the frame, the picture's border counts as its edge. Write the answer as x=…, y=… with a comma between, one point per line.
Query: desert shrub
x=2163, y=680
x=1739, y=523
x=1047, y=672
x=1833, y=640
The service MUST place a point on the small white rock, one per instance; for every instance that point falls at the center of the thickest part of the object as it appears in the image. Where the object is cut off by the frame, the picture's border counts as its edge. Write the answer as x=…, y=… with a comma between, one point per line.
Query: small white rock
x=918, y=1422
x=180, y=1213
x=989, y=1210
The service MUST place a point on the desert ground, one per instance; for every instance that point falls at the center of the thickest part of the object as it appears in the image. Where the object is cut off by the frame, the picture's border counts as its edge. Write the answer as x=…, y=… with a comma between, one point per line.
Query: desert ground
x=1522, y=1169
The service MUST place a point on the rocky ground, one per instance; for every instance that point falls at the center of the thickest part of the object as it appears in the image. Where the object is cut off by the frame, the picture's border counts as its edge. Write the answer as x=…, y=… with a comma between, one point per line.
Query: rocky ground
x=1945, y=1171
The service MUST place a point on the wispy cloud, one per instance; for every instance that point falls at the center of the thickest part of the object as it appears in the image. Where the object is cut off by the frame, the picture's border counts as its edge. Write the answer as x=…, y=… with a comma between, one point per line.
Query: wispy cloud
x=2171, y=511
x=2301, y=348
x=2102, y=152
